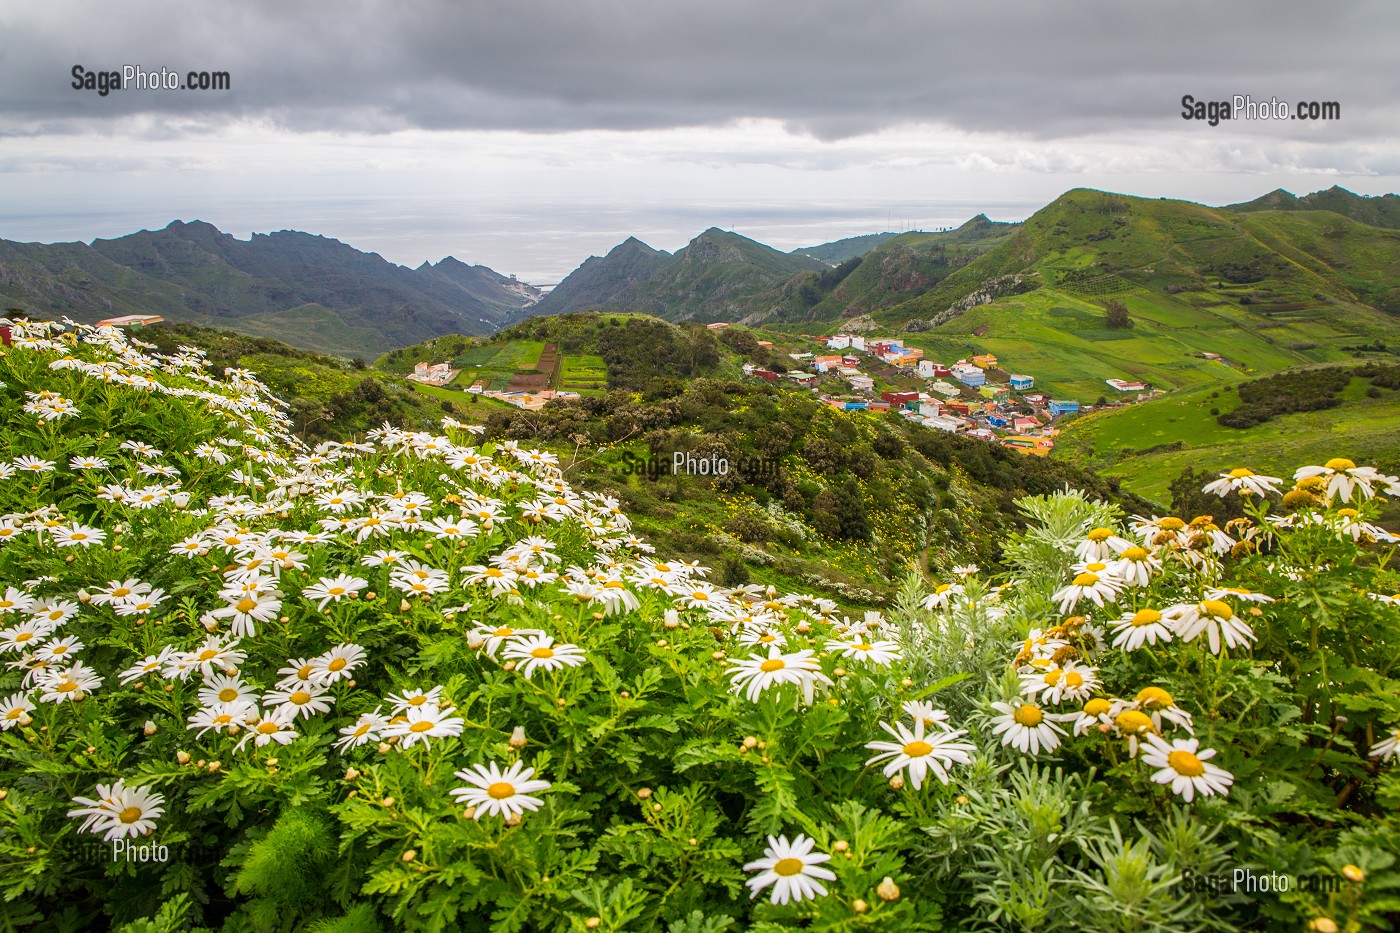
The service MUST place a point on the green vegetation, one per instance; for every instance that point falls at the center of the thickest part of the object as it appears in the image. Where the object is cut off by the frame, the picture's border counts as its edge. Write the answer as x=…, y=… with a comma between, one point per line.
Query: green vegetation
x=1148, y=445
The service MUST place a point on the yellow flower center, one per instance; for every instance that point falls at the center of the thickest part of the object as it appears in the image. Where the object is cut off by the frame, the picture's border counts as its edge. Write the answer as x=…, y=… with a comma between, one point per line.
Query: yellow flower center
x=1186, y=764
x=300, y=698
x=787, y=867
x=1028, y=715
x=542, y=653
x=1086, y=579
x=130, y=815
x=246, y=605
x=228, y=695
x=1339, y=464
x=1134, y=723
x=1155, y=698
x=268, y=728
x=1146, y=617
x=418, y=700
x=304, y=672
x=68, y=686
x=336, y=591
x=1097, y=707
x=1074, y=680
x=917, y=749
x=422, y=725
x=120, y=592
x=1135, y=553
x=501, y=790
x=1100, y=534
x=1171, y=523
x=24, y=636
x=208, y=654
x=1348, y=513
x=771, y=665
x=1214, y=607
x=1052, y=676
x=337, y=664
x=1241, y=473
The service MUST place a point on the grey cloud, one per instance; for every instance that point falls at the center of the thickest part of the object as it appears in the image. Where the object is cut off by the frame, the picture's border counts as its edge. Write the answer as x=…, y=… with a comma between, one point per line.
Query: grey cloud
x=827, y=68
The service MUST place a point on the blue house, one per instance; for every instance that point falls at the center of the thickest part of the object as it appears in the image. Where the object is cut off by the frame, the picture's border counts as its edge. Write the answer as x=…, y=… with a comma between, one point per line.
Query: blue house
x=857, y=406
x=997, y=421
x=1021, y=383
x=1063, y=408
x=970, y=375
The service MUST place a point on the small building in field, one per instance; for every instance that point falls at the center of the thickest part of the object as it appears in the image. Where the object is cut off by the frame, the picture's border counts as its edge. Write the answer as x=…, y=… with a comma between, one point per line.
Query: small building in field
x=996, y=393
x=969, y=375
x=1022, y=383
x=717, y=325
x=985, y=361
x=862, y=383
x=931, y=370
x=899, y=398
x=1058, y=408
x=767, y=375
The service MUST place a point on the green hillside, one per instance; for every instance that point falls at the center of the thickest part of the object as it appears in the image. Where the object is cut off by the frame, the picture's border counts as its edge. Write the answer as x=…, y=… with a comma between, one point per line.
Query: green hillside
x=838, y=251
x=1382, y=211
x=1147, y=446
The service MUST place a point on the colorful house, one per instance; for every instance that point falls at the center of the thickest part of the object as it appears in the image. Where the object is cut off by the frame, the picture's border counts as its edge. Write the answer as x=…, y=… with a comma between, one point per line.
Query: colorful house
x=969, y=375
x=899, y=398
x=985, y=361
x=1022, y=383
x=1058, y=408
x=931, y=370
x=823, y=364
x=131, y=320
x=987, y=390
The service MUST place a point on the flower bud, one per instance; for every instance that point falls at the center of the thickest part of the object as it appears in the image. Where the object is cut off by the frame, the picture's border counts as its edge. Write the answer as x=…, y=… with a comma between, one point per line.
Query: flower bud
x=672, y=619
x=859, y=906
x=750, y=741
x=388, y=801
x=404, y=605
x=475, y=640
x=1353, y=873
x=517, y=737
x=593, y=923
x=410, y=855
x=888, y=890
x=149, y=728
x=897, y=782
x=644, y=793
x=1323, y=925
x=214, y=766
x=182, y=757
x=352, y=774
x=841, y=845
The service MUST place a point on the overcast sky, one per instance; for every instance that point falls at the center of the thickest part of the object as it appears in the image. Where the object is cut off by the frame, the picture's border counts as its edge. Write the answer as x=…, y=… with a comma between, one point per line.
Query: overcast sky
x=527, y=135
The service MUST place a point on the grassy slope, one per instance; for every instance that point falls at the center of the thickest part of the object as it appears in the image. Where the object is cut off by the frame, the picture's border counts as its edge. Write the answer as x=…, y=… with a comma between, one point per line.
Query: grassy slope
x=1363, y=429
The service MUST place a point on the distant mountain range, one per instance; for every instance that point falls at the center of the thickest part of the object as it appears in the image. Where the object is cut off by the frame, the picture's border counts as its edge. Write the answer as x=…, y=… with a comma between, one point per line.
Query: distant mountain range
x=309, y=291
x=318, y=293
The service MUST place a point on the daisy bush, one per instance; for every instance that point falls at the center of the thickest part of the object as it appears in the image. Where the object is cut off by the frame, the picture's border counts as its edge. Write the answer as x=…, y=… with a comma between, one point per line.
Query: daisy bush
x=424, y=682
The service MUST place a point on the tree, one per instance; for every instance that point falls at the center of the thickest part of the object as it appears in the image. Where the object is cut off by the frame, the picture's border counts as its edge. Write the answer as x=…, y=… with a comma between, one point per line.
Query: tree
x=850, y=511
x=1116, y=315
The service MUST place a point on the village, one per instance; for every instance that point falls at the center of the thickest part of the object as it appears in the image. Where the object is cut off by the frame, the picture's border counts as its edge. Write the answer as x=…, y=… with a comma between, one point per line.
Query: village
x=975, y=396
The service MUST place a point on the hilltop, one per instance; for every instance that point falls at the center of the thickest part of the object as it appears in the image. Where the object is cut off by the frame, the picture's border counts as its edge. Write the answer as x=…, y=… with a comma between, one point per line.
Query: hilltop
x=1378, y=211
x=312, y=291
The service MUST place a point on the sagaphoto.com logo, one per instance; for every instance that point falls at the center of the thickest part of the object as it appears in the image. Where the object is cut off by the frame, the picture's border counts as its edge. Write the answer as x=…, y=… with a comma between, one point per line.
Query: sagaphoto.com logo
x=136, y=78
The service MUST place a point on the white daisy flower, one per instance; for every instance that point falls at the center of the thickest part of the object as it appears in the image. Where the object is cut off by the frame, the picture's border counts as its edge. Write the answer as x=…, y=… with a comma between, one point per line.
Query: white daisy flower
x=1215, y=619
x=1135, y=566
x=411, y=699
x=25, y=635
x=221, y=717
x=942, y=596
x=149, y=665
x=1095, y=585
x=1343, y=477
x=368, y=728
x=248, y=610
x=1384, y=749
x=77, y=534
x=15, y=710
x=221, y=688
x=215, y=651
x=792, y=868
x=337, y=664
x=1099, y=545
x=756, y=674
x=1132, y=630
x=270, y=726
x=421, y=723
x=334, y=588
x=139, y=605
x=539, y=652
x=1057, y=684
x=1028, y=727
x=878, y=652
x=493, y=792
x=927, y=715
x=1243, y=481
x=921, y=753
x=15, y=600
x=302, y=700
x=1185, y=768
x=120, y=811
x=68, y=684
